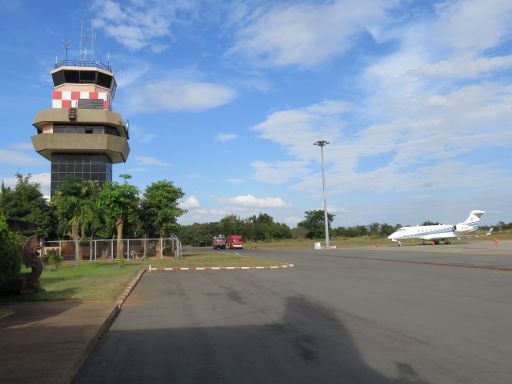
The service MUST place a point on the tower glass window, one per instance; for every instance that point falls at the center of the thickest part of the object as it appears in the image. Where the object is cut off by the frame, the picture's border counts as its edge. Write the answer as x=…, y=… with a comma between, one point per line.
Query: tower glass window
x=96, y=167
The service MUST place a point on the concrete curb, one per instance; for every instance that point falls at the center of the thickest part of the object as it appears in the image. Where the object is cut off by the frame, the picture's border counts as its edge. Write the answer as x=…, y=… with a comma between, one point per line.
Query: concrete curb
x=175, y=269
x=105, y=326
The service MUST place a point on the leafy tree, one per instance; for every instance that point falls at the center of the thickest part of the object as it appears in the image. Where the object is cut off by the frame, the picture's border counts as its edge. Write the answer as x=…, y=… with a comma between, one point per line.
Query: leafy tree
x=299, y=232
x=198, y=233
x=120, y=202
x=265, y=228
x=92, y=217
x=230, y=225
x=387, y=229
x=10, y=261
x=77, y=207
x=314, y=223
x=160, y=207
x=258, y=228
x=26, y=203
x=281, y=231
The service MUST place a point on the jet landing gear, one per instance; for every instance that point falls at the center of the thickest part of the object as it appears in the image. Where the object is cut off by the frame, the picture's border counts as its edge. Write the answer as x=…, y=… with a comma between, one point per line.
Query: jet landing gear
x=446, y=242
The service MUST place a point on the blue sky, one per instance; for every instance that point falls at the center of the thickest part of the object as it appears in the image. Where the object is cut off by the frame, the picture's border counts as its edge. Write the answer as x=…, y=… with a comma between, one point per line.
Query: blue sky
x=226, y=98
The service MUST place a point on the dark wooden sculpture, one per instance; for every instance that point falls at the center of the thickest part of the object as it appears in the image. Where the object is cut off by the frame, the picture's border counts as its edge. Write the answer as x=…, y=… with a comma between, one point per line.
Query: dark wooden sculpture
x=30, y=258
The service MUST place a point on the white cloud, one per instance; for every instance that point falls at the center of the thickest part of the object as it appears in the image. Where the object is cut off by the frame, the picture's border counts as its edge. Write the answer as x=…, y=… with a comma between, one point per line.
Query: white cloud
x=43, y=179
x=224, y=137
x=146, y=160
x=466, y=66
x=23, y=146
x=194, y=175
x=235, y=180
x=250, y=201
x=190, y=203
x=180, y=95
x=138, y=169
x=137, y=25
x=11, y=157
x=279, y=172
x=132, y=74
x=148, y=138
x=473, y=25
x=203, y=215
x=298, y=129
x=306, y=34
x=140, y=134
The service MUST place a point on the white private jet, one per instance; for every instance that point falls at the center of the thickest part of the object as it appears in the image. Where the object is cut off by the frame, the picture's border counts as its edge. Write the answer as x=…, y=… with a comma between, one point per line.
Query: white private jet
x=440, y=232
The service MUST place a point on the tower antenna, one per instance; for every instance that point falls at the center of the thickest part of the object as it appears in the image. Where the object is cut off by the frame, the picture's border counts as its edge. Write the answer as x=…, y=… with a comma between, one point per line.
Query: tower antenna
x=93, y=37
x=81, y=34
x=66, y=44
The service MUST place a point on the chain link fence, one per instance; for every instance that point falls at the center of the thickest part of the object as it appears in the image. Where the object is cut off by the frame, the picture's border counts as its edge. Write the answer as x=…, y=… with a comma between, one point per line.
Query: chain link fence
x=104, y=249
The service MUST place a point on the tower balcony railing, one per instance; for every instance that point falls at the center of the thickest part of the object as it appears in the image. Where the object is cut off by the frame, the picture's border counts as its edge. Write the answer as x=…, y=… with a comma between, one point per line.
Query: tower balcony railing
x=83, y=63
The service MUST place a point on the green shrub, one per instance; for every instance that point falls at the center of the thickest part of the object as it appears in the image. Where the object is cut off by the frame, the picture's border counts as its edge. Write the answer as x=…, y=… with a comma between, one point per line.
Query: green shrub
x=53, y=259
x=10, y=260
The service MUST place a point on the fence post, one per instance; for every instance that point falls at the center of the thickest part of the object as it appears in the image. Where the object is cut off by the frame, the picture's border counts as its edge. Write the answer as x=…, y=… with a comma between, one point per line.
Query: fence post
x=112, y=249
x=145, y=241
x=161, y=249
x=128, y=249
x=60, y=247
x=95, y=250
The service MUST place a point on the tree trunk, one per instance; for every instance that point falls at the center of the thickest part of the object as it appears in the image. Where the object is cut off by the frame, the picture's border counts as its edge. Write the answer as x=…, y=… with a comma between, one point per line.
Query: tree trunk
x=119, y=227
x=74, y=236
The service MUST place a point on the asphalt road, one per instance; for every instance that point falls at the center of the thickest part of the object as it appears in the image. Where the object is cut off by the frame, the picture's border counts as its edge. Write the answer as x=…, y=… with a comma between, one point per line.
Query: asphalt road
x=339, y=316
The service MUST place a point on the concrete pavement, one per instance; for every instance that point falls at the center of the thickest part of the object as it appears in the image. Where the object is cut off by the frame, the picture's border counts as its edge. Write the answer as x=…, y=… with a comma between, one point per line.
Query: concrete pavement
x=45, y=342
x=334, y=318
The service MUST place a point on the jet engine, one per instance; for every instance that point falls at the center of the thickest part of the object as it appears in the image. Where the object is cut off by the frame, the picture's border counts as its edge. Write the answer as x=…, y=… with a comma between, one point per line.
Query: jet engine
x=461, y=227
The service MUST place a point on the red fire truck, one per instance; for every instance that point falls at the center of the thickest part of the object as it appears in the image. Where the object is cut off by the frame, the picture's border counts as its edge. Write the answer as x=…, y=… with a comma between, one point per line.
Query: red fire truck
x=234, y=241
x=219, y=242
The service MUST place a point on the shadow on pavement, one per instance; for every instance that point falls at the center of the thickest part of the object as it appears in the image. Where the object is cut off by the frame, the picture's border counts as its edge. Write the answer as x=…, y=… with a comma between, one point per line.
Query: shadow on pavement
x=34, y=311
x=309, y=345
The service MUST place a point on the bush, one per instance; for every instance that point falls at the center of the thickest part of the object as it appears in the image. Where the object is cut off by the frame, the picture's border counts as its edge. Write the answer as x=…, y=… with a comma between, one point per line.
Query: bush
x=53, y=259
x=10, y=260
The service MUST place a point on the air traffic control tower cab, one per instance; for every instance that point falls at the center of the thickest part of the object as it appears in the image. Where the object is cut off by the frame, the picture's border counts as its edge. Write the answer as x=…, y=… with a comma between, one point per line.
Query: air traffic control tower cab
x=80, y=134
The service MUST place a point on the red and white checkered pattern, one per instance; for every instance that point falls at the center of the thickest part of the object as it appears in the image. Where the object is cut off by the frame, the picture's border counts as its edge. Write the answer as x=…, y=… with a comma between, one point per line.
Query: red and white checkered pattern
x=69, y=99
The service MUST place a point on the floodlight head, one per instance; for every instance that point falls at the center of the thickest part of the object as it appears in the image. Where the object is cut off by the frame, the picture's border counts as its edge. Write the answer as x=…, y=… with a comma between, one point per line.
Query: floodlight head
x=321, y=143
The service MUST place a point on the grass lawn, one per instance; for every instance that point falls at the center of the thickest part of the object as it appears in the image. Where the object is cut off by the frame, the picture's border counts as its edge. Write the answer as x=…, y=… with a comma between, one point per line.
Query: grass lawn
x=212, y=259
x=104, y=280
x=364, y=241
x=309, y=243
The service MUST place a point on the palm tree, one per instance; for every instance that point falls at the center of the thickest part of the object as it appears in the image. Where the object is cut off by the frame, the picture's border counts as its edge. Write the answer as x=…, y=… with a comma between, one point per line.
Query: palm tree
x=75, y=204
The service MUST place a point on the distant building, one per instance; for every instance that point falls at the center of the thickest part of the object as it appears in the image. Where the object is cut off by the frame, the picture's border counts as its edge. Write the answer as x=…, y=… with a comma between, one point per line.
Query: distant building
x=80, y=134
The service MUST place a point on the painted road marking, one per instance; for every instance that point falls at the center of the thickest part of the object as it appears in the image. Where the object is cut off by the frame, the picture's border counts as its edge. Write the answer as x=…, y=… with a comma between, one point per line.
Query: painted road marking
x=153, y=269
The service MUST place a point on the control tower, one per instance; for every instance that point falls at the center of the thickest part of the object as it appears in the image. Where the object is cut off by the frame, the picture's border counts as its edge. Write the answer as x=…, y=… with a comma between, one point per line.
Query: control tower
x=80, y=134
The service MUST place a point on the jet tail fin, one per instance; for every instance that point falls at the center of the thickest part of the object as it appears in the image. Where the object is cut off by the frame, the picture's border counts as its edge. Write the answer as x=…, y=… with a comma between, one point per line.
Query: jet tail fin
x=474, y=217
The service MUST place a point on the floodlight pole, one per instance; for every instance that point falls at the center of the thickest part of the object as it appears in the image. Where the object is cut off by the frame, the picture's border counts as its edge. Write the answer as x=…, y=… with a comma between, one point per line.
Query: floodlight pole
x=321, y=144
